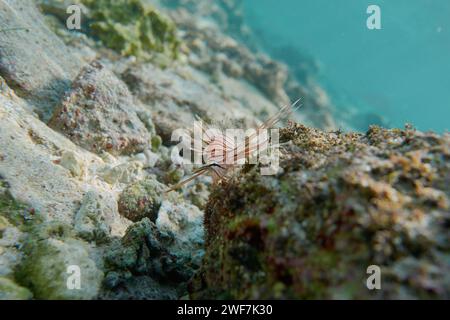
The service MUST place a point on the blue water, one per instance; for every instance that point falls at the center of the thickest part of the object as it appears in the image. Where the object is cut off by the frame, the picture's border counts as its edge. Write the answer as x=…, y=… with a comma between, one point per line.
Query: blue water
x=401, y=72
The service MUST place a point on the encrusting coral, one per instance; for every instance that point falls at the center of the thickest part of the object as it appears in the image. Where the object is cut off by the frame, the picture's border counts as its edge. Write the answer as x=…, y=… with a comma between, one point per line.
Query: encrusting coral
x=340, y=203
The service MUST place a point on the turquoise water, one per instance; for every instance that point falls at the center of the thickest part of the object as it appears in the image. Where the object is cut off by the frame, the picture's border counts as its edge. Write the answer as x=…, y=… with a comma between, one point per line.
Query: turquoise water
x=401, y=72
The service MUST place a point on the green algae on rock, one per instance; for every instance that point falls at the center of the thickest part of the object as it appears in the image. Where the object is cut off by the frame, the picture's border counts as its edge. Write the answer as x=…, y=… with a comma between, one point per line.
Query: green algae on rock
x=14, y=217
x=89, y=221
x=49, y=250
x=341, y=202
x=9, y=290
x=40, y=255
x=133, y=27
x=46, y=265
x=46, y=250
x=12, y=212
x=141, y=199
x=156, y=143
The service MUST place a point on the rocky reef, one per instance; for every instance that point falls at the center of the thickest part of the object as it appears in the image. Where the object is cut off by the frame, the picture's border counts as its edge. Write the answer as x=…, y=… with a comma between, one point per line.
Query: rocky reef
x=86, y=118
x=134, y=28
x=340, y=203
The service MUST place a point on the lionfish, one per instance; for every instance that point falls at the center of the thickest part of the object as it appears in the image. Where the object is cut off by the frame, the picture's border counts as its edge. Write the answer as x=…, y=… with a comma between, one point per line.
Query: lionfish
x=218, y=146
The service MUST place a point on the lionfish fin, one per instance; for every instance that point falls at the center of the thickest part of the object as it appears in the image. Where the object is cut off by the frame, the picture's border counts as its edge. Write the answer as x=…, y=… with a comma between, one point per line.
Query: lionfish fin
x=182, y=183
x=284, y=112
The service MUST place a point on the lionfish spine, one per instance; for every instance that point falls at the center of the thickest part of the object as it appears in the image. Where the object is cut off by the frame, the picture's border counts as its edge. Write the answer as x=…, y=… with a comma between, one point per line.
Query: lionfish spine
x=218, y=147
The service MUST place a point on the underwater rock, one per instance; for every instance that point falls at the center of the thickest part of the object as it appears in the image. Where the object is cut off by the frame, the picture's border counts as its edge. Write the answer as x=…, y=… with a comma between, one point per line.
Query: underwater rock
x=11, y=239
x=183, y=220
x=341, y=203
x=44, y=270
x=174, y=175
x=141, y=199
x=30, y=152
x=132, y=253
x=98, y=118
x=270, y=76
x=146, y=117
x=198, y=194
x=90, y=221
x=212, y=49
x=111, y=127
x=15, y=217
x=175, y=98
x=141, y=288
x=133, y=27
x=12, y=214
x=35, y=63
x=184, y=223
x=227, y=14
x=58, y=8
x=163, y=255
x=73, y=163
x=9, y=290
x=317, y=109
x=151, y=158
x=5, y=90
x=126, y=172
x=156, y=143
x=130, y=27
x=228, y=57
